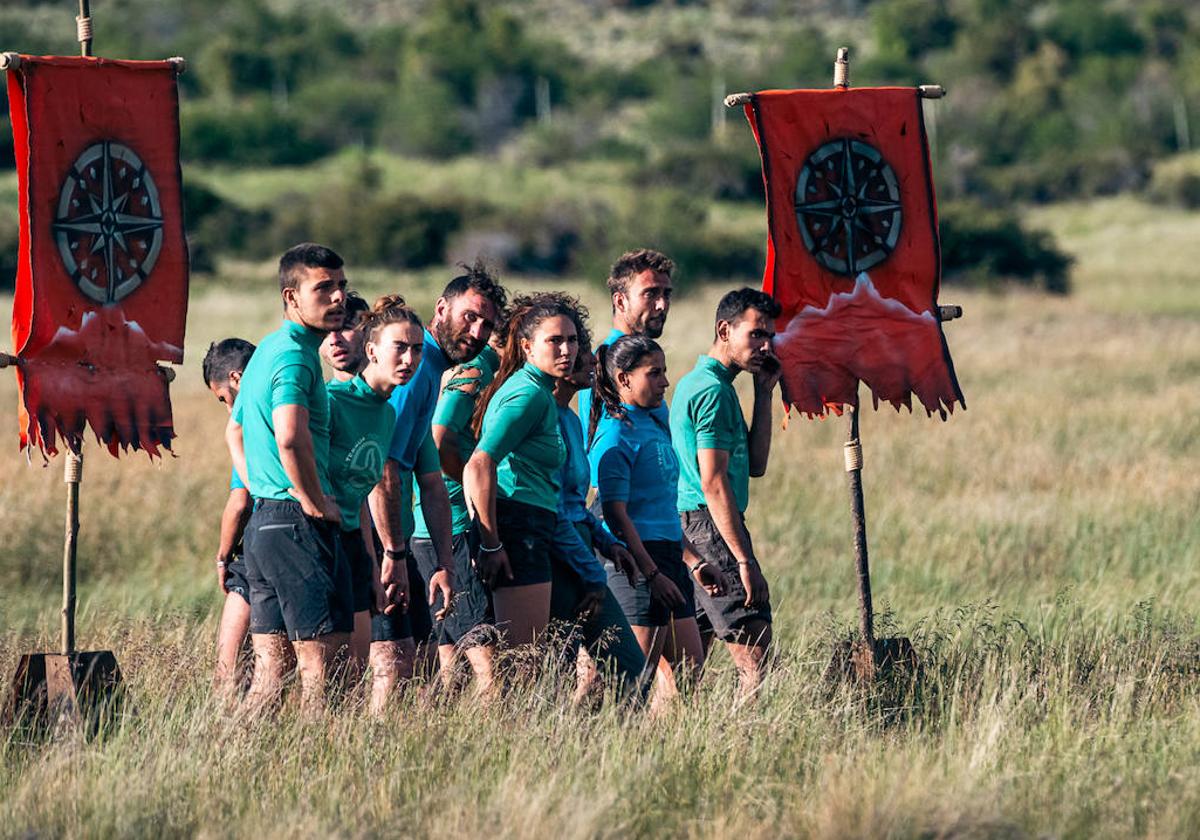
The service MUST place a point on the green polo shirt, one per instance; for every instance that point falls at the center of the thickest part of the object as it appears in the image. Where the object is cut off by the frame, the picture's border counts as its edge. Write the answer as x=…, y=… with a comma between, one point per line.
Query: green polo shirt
x=361, y=424
x=706, y=414
x=284, y=370
x=454, y=409
x=520, y=433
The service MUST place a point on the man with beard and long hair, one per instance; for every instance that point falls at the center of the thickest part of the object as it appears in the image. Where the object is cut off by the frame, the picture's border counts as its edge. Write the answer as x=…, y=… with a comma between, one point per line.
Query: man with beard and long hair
x=464, y=316
x=639, y=284
x=278, y=436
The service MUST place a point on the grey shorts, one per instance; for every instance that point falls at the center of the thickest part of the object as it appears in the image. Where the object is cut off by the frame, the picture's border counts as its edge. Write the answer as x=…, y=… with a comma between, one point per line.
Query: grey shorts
x=235, y=576
x=639, y=606
x=299, y=577
x=726, y=616
x=472, y=621
x=360, y=569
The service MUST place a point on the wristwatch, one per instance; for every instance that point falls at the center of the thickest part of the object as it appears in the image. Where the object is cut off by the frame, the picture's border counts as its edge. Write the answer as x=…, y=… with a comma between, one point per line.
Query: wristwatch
x=393, y=554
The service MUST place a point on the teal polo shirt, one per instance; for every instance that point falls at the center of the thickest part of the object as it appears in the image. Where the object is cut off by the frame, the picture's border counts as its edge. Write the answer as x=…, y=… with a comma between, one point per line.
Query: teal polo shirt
x=706, y=414
x=361, y=425
x=520, y=433
x=284, y=370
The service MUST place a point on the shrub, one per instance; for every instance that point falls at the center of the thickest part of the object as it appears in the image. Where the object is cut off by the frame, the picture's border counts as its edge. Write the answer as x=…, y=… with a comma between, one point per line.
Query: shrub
x=253, y=133
x=393, y=230
x=982, y=246
x=1176, y=181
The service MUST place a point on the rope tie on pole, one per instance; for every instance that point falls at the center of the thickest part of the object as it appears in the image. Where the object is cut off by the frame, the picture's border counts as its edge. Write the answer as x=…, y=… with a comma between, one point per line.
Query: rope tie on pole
x=73, y=469
x=853, y=452
x=83, y=29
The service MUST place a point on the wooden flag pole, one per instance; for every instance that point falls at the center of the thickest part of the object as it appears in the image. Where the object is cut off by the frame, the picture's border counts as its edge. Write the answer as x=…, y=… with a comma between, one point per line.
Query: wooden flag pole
x=868, y=656
x=70, y=686
x=72, y=477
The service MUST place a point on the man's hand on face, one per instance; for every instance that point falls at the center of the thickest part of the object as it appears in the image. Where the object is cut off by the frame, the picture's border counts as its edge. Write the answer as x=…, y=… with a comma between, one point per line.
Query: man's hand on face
x=768, y=374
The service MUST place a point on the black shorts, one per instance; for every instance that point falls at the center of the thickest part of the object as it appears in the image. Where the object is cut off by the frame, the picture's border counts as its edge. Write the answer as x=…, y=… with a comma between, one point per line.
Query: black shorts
x=298, y=574
x=235, y=576
x=360, y=569
x=724, y=615
x=527, y=533
x=636, y=602
x=471, y=622
x=396, y=625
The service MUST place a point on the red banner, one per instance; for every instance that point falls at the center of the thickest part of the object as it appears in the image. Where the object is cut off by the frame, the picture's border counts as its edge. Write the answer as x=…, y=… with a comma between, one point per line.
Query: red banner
x=101, y=289
x=852, y=254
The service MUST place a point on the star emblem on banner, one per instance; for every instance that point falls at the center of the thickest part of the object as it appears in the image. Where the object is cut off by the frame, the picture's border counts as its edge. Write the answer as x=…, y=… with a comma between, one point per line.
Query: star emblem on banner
x=848, y=206
x=109, y=222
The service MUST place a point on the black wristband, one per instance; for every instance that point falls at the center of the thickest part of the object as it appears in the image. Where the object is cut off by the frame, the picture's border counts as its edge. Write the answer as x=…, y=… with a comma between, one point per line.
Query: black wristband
x=393, y=554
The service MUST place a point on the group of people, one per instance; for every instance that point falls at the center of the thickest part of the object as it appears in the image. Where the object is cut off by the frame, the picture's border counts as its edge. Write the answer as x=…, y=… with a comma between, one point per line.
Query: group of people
x=429, y=504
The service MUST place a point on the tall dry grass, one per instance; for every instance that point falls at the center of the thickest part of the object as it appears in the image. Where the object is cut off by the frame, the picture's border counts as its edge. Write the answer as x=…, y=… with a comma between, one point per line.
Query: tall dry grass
x=1040, y=549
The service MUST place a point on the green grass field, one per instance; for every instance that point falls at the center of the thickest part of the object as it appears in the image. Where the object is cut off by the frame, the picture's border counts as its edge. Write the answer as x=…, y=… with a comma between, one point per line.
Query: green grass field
x=1042, y=550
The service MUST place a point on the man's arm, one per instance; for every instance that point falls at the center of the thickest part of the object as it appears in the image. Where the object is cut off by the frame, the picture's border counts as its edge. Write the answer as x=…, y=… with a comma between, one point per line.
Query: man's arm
x=718, y=496
x=233, y=520
x=237, y=450
x=295, y=443
x=760, y=421
x=446, y=441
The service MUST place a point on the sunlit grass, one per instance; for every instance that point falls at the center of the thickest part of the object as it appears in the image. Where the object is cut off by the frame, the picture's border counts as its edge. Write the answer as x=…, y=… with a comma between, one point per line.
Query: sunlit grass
x=1041, y=549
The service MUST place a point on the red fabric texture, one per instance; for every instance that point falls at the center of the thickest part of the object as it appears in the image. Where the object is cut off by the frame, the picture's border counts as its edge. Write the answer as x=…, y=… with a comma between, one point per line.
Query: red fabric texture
x=872, y=317
x=101, y=288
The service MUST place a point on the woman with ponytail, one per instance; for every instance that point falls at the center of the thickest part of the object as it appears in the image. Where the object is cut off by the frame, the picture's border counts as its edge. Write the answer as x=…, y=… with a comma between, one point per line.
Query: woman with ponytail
x=361, y=423
x=636, y=471
x=512, y=478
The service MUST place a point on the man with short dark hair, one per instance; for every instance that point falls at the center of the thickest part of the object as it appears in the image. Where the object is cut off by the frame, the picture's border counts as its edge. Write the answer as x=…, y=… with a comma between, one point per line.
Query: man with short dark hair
x=278, y=435
x=718, y=455
x=639, y=284
x=464, y=316
x=222, y=368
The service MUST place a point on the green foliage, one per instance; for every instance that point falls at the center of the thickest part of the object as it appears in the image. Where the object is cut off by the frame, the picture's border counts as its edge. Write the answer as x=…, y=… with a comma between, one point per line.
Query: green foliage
x=983, y=245
x=1176, y=182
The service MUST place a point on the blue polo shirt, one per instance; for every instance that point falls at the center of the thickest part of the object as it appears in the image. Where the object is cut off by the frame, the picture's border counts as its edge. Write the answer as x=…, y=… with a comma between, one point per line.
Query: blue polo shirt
x=585, y=398
x=414, y=402
x=633, y=462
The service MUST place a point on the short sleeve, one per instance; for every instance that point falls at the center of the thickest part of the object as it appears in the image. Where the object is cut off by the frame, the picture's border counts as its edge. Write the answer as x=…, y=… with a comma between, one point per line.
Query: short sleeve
x=614, y=471
x=457, y=401
x=508, y=421
x=292, y=384
x=711, y=422
x=427, y=457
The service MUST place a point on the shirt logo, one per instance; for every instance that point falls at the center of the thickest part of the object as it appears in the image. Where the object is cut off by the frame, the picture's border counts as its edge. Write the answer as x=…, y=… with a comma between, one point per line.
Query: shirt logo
x=364, y=465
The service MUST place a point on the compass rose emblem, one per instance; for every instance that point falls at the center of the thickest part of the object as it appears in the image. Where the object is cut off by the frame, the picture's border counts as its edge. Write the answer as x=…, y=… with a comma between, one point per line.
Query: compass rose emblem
x=848, y=206
x=109, y=222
